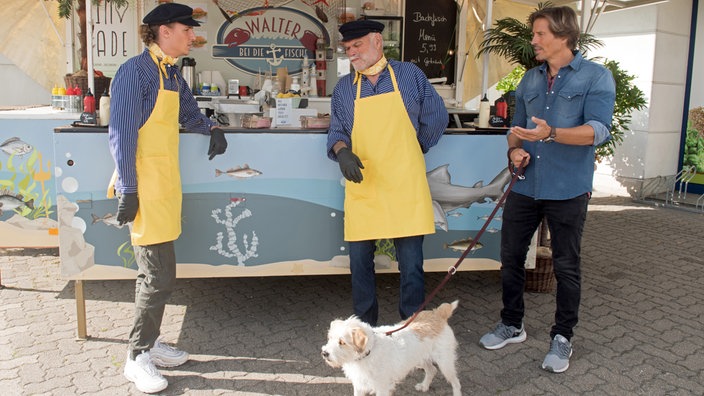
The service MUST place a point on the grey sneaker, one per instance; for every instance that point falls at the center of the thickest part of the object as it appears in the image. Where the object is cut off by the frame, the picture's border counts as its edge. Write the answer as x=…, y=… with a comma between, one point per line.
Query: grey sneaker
x=142, y=372
x=558, y=358
x=164, y=355
x=503, y=335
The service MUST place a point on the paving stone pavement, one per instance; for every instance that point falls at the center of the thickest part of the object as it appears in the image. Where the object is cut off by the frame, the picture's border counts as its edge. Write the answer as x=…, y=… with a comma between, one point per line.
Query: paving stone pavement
x=640, y=329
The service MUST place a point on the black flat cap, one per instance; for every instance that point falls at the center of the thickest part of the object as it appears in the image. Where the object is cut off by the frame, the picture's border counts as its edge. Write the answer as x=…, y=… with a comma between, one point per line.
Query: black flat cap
x=357, y=29
x=170, y=12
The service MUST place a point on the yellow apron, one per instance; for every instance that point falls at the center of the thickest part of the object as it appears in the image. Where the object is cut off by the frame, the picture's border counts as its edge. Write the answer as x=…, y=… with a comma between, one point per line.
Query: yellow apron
x=393, y=200
x=158, y=176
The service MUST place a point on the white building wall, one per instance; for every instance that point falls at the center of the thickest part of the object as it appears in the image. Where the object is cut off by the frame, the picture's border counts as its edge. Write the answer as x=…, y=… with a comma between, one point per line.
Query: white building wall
x=651, y=43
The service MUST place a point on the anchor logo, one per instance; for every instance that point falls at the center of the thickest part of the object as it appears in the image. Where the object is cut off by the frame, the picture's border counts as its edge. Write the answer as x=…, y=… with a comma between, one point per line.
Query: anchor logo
x=274, y=61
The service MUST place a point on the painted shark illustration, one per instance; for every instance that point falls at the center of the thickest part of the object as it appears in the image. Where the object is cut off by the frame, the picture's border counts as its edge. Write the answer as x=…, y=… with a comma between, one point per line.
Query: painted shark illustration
x=16, y=146
x=447, y=196
x=241, y=172
x=10, y=201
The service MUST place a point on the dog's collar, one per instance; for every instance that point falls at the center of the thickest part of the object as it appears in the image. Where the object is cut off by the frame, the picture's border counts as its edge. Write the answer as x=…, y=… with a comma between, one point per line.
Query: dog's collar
x=367, y=353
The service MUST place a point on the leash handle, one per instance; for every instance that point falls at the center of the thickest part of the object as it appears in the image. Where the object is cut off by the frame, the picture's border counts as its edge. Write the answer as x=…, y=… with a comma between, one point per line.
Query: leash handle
x=517, y=175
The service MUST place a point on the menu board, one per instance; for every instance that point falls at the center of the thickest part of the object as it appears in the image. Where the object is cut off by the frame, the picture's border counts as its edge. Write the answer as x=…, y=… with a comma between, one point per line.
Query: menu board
x=430, y=37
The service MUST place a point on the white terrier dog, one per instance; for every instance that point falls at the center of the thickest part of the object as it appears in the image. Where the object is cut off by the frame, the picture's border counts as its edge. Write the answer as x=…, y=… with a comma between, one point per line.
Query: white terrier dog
x=376, y=362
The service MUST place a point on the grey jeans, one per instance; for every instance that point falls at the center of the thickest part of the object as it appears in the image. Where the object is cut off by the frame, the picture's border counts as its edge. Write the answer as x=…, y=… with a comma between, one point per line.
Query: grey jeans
x=156, y=276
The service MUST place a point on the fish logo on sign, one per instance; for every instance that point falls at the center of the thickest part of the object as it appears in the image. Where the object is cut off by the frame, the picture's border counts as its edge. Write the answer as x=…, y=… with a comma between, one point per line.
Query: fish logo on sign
x=261, y=39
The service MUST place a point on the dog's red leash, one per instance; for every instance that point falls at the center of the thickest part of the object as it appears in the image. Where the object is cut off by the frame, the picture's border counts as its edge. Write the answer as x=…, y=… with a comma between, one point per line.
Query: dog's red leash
x=517, y=174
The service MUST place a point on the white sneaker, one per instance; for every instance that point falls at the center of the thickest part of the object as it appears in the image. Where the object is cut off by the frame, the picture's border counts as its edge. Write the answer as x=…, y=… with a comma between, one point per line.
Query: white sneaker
x=164, y=355
x=142, y=372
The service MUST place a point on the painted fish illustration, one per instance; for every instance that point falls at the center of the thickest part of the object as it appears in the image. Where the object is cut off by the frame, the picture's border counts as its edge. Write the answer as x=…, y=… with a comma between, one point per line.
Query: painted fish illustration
x=236, y=37
x=15, y=146
x=10, y=201
x=109, y=219
x=486, y=217
x=463, y=244
x=241, y=172
x=451, y=196
x=321, y=14
x=223, y=12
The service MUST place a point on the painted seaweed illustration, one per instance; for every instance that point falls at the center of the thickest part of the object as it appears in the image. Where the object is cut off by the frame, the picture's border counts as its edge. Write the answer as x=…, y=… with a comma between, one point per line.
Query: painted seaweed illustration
x=126, y=254
x=385, y=247
x=230, y=222
x=23, y=181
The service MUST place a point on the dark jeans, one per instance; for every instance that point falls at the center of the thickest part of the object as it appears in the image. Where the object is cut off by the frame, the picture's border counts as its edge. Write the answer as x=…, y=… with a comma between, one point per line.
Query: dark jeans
x=156, y=276
x=521, y=217
x=409, y=254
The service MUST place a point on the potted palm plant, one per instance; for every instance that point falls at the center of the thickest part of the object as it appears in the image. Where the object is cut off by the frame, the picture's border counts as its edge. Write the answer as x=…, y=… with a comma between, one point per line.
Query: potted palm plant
x=511, y=39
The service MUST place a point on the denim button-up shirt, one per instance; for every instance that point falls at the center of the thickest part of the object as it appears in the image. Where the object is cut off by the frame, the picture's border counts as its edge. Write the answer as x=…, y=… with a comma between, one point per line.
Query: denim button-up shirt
x=583, y=93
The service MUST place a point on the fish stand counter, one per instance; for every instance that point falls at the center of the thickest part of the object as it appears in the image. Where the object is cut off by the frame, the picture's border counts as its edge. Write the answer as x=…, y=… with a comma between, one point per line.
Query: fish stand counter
x=272, y=205
x=28, y=217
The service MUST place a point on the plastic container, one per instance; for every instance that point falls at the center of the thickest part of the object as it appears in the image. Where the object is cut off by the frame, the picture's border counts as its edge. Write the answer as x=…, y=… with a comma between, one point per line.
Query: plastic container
x=319, y=122
x=484, y=108
x=255, y=121
x=104, y=115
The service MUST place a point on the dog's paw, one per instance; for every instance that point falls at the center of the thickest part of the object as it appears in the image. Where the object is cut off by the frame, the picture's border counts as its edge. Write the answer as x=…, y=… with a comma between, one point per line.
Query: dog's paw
x=421, y=387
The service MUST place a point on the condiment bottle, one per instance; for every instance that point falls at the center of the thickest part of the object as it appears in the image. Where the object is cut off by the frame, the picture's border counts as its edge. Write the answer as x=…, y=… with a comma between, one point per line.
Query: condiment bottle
x=77, y=98
x=89, y=103
x=484, y=108
x=104, y=108
x=62, y=98
x=70, y=94
x=55, y=97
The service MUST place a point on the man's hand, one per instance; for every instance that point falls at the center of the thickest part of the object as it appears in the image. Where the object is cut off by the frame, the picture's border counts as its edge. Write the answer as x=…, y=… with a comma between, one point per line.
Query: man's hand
x=540, y=132
x=218, y=143
x=350, y=165
x=127, y=208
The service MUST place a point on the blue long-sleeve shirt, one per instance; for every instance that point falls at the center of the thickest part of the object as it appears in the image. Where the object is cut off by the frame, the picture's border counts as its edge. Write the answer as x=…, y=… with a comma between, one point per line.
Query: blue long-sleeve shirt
x=425, y=107
x=583, y=93
x=133, y=95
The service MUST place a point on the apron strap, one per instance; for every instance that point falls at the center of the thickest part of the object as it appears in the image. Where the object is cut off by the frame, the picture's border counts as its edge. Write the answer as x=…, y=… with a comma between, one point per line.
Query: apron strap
x=158, y=66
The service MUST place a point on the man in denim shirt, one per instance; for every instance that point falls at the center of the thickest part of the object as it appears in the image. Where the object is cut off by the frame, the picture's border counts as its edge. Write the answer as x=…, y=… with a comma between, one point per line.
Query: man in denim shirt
x=563, y=111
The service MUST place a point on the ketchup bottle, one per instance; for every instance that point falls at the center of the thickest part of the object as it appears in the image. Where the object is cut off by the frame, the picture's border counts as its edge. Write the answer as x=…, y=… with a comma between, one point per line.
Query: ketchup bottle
x=89, y=103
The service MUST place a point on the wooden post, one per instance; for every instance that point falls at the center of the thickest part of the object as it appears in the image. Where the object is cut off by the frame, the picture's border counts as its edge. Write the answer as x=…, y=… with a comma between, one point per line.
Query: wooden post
x=80, y=310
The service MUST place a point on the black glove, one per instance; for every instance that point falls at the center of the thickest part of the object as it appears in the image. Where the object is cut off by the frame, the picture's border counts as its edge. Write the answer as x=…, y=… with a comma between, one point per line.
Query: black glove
x=350, y=165
x=218, y=143
x=127, y=208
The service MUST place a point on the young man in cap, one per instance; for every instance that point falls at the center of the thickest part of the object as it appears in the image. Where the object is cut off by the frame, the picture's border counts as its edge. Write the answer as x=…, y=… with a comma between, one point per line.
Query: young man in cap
x=385, y=116
x=150, y=99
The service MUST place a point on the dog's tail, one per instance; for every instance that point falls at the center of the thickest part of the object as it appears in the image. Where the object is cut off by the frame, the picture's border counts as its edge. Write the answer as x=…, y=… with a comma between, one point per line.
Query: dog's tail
x=445, y=310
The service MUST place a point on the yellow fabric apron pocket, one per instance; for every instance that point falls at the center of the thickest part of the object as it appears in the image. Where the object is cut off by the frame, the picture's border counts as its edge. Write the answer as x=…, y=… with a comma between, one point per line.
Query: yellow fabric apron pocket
x=161, y=173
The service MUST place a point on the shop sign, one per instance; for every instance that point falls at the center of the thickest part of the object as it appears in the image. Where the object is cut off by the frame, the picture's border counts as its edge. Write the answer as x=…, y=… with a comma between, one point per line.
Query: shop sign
x=265, y=39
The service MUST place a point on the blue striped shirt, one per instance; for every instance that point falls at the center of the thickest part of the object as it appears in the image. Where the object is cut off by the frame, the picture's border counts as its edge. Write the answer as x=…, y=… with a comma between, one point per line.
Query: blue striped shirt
x=425, y=107
x=133, y=95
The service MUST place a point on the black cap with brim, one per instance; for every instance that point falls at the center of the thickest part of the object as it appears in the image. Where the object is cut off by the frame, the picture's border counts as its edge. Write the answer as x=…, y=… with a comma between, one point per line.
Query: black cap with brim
x=360, y=28
x=170, y=12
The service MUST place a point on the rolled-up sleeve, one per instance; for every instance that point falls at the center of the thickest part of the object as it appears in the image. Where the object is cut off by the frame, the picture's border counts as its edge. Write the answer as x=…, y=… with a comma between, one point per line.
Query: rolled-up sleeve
x=599, y=106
